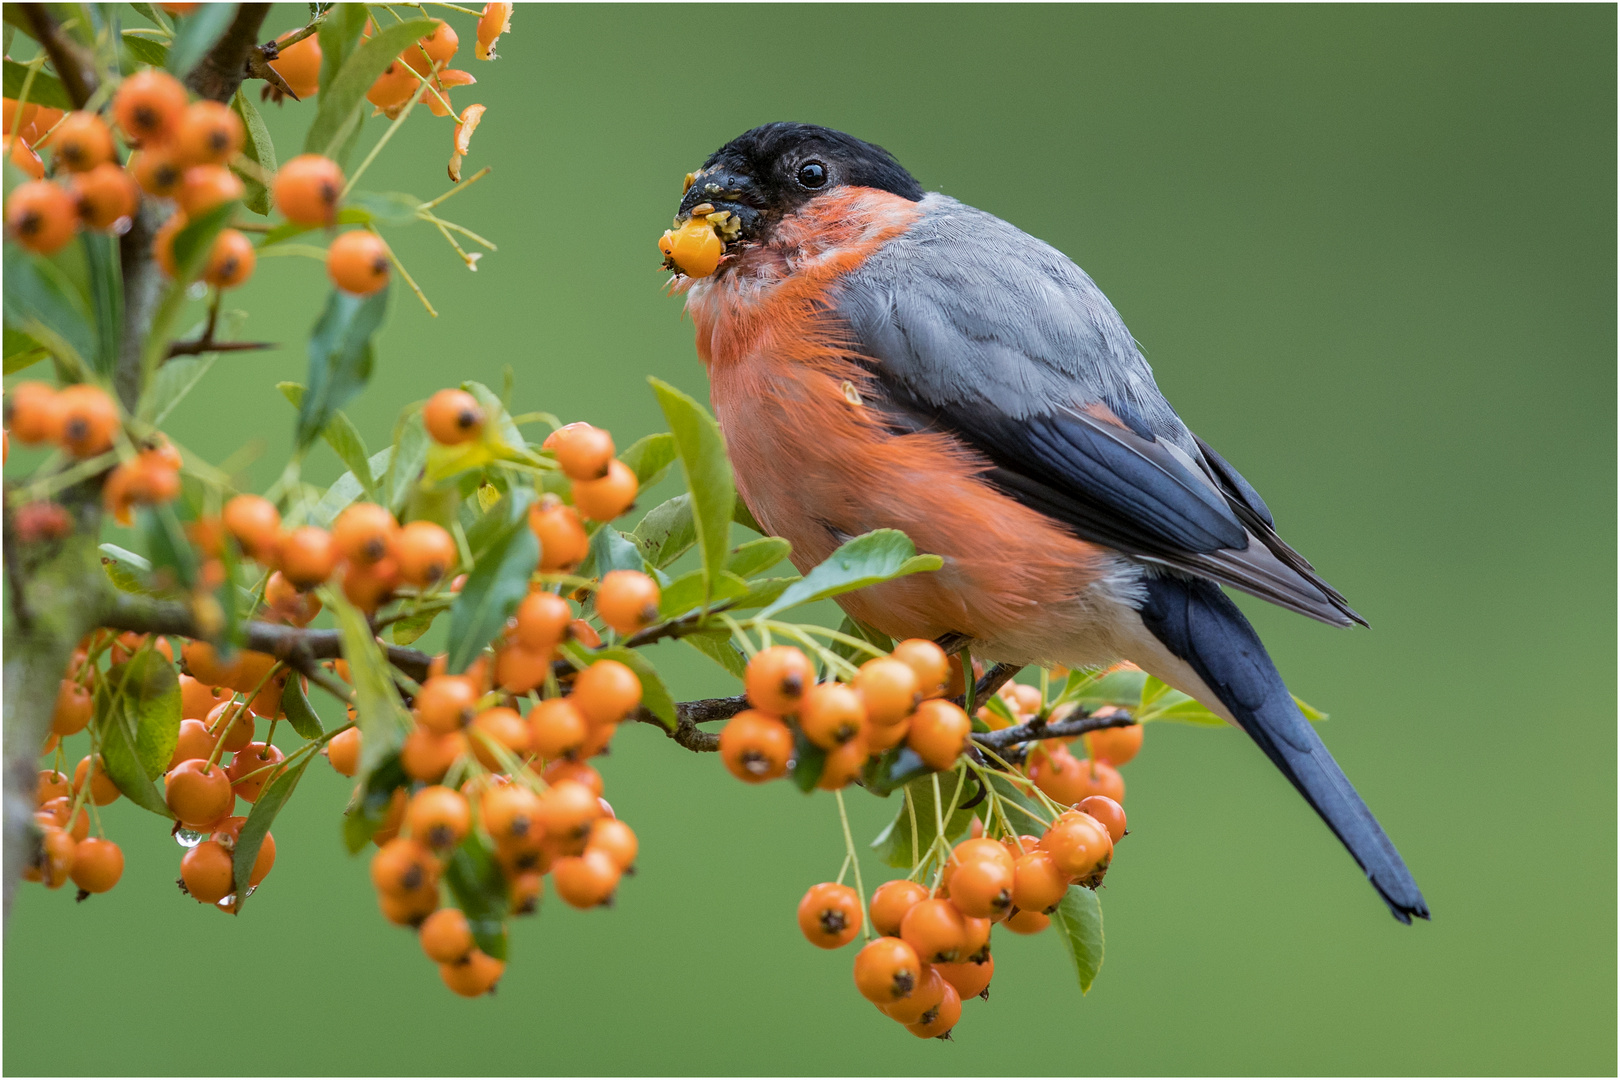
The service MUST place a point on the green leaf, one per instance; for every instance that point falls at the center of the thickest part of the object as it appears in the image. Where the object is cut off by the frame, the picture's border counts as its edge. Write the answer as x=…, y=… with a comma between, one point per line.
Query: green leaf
x=140, y=50
x=748, y=559
x=1314, y=715
x=667, y=532
x=381, y=714
x=650, y=457
x=1160, y=702
x=195, y=34
x=300, y=714
x=762, y=591
x=340, y=357
x=122, y=570
x=346, y=489
x=655, y=696
x=702, y=452
x=193, y=243
x=410, y=455
x=610, y=550
x=479, y=890
x=138, y=725
x=1078, y=921
x=344, y=96
x=47, y=89
x=22, y=351
x=865, y=633
x=258, y=147
x=497, y=421
x=106, y=298
x=745, y=517
x=498, y=582
x=40, y=301
x=257, y=826
x=166, y=544
x=508, y=511
x=338, y=34
x=893, y=844
x=412, y=627
x=685, y=593
x=385, y=207
x=809, y=760
x=874, y=557
x=369, y=809
x=718, y=647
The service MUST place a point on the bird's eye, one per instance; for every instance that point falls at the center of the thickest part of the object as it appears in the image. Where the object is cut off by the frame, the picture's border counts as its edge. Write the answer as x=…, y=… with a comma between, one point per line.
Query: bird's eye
x=812, y=174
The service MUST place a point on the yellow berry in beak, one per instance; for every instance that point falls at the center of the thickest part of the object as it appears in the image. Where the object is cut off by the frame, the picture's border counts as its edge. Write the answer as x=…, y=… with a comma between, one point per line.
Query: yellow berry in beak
x=693, y=249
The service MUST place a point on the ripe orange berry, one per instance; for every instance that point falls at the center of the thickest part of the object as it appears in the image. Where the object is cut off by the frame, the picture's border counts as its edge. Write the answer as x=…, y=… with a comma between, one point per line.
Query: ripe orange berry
x=393, y=87
x=440, y=46
x=583, y=632
x=307, y=189
x=446, y=703
x=694, y=249
x=1109, y=814
x=194, y=741
x=844, y=764
x=831, y=714
x=577, y=771
x=102, y=788
x=1115, y=746
x=368, y=586
x=357, y=262
x=391, y=823
x=199, y=794
x=567, y=810
x=939, y=732
x=556, y=728
x=887, y=970
x=51, y=785
x=343, y=751
x=299, y=64
x=1027, y=922
x=519, y=670
x=563, y=542
x=829, y=915
x=495, y=21
x=409, y=909
x=427, y=755
x=889, y=689
x=149, y=105
x=542, y=621
x=288, y=603
x=777, y=678
x=583, y=452
x=364, y=533
x=207, y=872
x=41, y=216
x=938, y=1021
x=402, y=866
x=930, y=992
x=89, y=420
x=81, y=142
x=502, y=726
x=607, y=498
x=426, y=553
x=254, y=766
x=890, y=903
x=971, y=978
x=452, y=416
x=255, y=523
x=234, y=723
x=1097, y=778
x=982, y=888
x=511, y=815
x=606, y=692
x=446, y=936
x=1038, y=884
x=97, y=865
x=627, y=601
x=438, y=817
x=159, y=172
x=210, y=133
x=927, y=661
x=203, y=187
x=34, y=413
x=937, y=930
x=474, y=976
x=614, y=838
x=54, y=814
x=585, y=881
x=1056, y=772
x=308, y=556
x=1078, y=844
x=755, y=746
x=74, y=707
x=230, y=261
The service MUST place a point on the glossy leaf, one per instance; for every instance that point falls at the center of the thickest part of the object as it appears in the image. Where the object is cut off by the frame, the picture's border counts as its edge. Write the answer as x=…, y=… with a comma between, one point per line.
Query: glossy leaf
x=138, y=724
x=610, y=550
x=174, y=560
x=893, y=844
x=1078, y=922
x=498, y=582
x=195, y=34
x=46, y=88
x=343, y=98
x=380, y=713
x=300, y=714
x=809, y=761
x=346, y=489
x=685, y=593
x=480, y=891
x=106, y=298
x=874, y=557
x=41, y=302
x=667, y=531
x=702, y=453
x=138, y=50
x=340, y=357
x=763, y=591
x=338, y=35
x=410, y=455
x=1161, y=702
x=369, y=808
x=257, y=147
x=755, y=556
x=718, y=647
x=650, y=457
x=257, y=826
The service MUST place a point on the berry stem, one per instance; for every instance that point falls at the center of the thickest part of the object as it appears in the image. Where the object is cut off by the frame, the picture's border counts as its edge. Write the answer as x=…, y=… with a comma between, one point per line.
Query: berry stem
x=849, y=849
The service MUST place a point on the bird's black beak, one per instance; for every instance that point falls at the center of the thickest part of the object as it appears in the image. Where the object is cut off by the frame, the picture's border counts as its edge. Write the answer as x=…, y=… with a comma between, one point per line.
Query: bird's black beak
x=726, y=199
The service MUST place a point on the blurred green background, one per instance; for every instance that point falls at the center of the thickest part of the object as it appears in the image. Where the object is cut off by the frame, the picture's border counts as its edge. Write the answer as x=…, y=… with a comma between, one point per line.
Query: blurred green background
x=1370, y=252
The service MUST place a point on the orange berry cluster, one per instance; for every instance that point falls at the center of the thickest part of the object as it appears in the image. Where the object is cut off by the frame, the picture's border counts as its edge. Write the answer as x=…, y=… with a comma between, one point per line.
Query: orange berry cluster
x=1051, y=763
x=891, y=700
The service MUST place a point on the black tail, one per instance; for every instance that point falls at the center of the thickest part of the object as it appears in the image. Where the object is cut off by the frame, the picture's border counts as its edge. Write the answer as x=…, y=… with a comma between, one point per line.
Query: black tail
x=1197, y=622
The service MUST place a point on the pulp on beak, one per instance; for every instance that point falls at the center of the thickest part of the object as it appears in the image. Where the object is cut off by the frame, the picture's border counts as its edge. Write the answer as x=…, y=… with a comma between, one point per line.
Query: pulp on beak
x=694, y=249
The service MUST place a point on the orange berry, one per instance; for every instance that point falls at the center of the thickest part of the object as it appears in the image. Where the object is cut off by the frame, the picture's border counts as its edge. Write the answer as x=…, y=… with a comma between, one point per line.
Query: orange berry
x=982, y=888
x=474, y=976
x=577, y=771
x=427, y=756
x=607, y=498
x=844, y=764
x=102, y=788
x=440, y=46
x=755, y=746
x=438, y=817
x=616, y=839
x=159, y=173
x=1114, y=746
x=426, y=553
x=1098, y=778
x=1027, y=922
x=585, y=881
x=20, y=154
x=929, y=993
x=308, y=556
x=446, y=703
x=542, y=621
x=203, y=187
x=928, y=661
x=887, y=970
x=149, y=106
x=606, y=692
x=364, y=533
x=89, y=420
x=1056, y=772
x=57, y=811
x=567, y=810
x=694, y=249
x=209, y=133
x=937, y=930
x=51, y=785
x=831, y=714
x=230, y=261
x=41, y=216
x=938, y=1021
x=519, y=670
x=452, y=416
x=556, y=728
x=446, y=936
x=1109, y=814
x=563, y=542
x=939, y=733
x=357, y=262
x=889, y=689
x=207, y=872
x=369, y=585
x=512, y=815
x=583, y=452
x=233, y=723
x=409, y=909
x=403, y=866
x=890, y=903
x=971, y=978
x=255, y=523
x=97, y=865
x=1038, y=884
x=829, y=915
x=194, y=741
x=34, y=413
x=81, y=142
x=254, y=766
x=74, y=707
x=199, y=794
x=502, y=726
x=307, y=189
x=627, y=601
x=1078, y=844
x=583, y=632
x=299, y=64
x=495, y=21
x=393, y=87
x=777, y=678
x=343, y=751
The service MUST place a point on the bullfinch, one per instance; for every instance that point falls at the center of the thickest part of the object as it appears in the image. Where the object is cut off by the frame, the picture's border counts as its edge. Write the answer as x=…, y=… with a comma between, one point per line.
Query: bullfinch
x=880, y=356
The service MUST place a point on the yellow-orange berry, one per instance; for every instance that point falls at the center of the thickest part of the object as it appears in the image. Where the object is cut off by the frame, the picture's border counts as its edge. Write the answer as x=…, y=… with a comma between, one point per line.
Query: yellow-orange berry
x=606, y=692
x=583, y=452
x=299, y=64
x=939, y=733
x=777, y=678
x=308, y=556
x=307, y=189
x=890, y=903
x=426, y=553
x=474, y=976
x=209, y=133
x=501, y=727
x=230, y=261
x=34, y=413
x=149, y=105
x=89, y=420
x=889, y=688
x=343, y=751
x=108, y=196
x=585, y=881
x=928, y=661
x=557, y=729
x=563, y=542
x=97, y=865
x=542, y=621
x=357, y=262
x=608, y=497
x=438, y=817
x=41, y=216
x=203, y=187
x=829, y=915
x=81, y=142
x=364, y=533
x=453, y=416
x=255, y=523
x=755, y=746
x=887, y=970
x=616, y=839
x=446, y=936
x=694, y=249
x=831, y=714
x=1108, y=813
x=207, y=872
x=627, y=600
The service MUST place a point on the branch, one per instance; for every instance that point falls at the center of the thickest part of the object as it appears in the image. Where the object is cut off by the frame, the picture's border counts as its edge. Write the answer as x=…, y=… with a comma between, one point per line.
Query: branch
x=1039, y=729
x=220, y=72
x=993, y=680
x=74, y=64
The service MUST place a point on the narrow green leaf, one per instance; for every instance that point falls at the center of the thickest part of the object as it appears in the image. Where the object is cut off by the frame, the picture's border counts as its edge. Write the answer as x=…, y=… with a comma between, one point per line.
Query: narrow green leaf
x=300, y=714
x=1161, y=702
x=809, y=760
x=22, y=350
x=1078, y=921
x=1314, y=715
x=344, y=96
x=748, y=559
x=257, y=826
x=412, y=627
x=667, y=531
x=702, y=452
x=381, y=714
x=258, y=147
x=195, y=34
x=47, y=89
x=655, y=696
x=138, y=725
x=386, y=207
x=410, y=456
x=174, y=560
x=479, y=890
x=339, y=33
x=369, y=808
x=138, y=50
x=40, y=301
x=346, y=489
x=650, y=457
x=745, y=517
x=340, y=357
x=874, y=557
x=893, y=844
x=106, y=298
x=610, y=550
x=685, y=593
x=508, y=511
x=718, y=647
x=498, y=581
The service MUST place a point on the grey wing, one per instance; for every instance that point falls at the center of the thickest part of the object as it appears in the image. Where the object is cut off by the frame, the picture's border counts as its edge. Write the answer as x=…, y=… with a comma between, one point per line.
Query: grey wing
x=972, y=327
